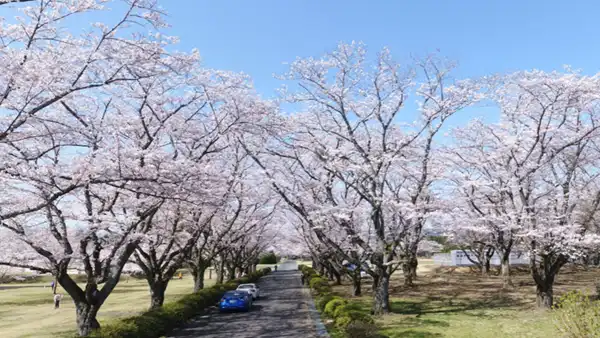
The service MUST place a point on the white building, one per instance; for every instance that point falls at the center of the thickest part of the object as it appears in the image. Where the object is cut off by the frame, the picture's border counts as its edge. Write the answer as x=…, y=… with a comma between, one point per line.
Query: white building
x=459, y=258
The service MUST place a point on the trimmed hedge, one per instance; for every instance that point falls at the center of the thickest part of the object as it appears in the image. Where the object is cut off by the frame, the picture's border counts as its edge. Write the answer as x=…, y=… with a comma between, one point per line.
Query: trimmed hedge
x=320, y=285
x=347, y=317
x=351, y=317
x=332, y=305
x=345, y=308
x=322, y=301
x=157, y=323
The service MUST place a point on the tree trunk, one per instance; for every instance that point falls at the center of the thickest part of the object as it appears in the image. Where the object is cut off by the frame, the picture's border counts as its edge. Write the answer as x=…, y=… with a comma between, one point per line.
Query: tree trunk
x=414, y=264
x=375, y=283
x=545, y=295
x=544, y=272
x=338, y=278
x=86, y=319
x=230, y=273
x=315, y=264
x=485, y=267
x=356, y=286
x=221, y=272
x=381, y=296
x=505, y=270
x=409, y=269
x=157, y=293
x=199, y=278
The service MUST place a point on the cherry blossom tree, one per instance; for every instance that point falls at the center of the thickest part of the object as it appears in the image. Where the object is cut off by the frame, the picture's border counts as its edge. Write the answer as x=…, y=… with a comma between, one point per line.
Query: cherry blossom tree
x=350, y=134
x=532, y=177
x=92, y=181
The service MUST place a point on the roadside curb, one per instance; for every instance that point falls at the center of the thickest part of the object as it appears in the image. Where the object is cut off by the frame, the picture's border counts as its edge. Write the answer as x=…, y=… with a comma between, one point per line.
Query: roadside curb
x=314, y=315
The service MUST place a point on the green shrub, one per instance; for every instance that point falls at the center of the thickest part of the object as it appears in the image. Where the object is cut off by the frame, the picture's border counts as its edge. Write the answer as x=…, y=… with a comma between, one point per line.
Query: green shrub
x=232, y=285
x=345, y=308
x=334, y=304
x=268, y=258
x=158, y=322
x=342, y=322
x=322, y=301
x=360, y=329
x=320, y=285
x=576, y=315
x=309, y=272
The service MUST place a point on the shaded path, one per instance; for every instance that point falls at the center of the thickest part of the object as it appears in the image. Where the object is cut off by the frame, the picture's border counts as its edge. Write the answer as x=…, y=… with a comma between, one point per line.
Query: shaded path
x=281, y=312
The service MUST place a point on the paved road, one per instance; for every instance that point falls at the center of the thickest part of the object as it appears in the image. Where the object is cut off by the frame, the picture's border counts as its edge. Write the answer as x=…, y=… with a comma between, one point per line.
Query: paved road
x=288, y=266
x=281, y=312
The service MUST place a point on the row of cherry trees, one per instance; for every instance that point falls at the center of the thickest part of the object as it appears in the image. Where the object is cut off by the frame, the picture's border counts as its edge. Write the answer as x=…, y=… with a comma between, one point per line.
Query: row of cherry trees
x=363, y=169
x=531, y=180
x=114, y=150
x=358, y=178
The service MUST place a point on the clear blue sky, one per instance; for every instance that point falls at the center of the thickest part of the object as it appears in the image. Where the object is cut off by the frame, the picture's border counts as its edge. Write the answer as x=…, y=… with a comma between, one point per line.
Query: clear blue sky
x=483, y=36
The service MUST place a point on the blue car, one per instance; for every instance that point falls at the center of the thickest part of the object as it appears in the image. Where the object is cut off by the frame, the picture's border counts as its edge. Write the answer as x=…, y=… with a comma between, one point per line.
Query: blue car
x=235, y=300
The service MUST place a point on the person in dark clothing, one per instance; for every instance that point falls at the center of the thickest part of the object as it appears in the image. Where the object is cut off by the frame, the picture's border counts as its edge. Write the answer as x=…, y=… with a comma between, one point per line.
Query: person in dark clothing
x=302, y=279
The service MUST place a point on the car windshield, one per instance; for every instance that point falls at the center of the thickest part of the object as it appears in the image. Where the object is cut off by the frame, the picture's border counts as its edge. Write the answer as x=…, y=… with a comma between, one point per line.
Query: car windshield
x=233, y=294
x=245, y=287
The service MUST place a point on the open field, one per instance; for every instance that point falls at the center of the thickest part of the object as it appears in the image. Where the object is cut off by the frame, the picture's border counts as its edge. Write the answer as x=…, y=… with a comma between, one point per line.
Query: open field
x=460, y=303
x=27, y=309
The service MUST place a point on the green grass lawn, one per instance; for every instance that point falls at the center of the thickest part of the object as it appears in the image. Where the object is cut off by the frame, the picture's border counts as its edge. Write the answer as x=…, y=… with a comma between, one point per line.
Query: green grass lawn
x=414, y=318
x=462, y=305
x=27, y=310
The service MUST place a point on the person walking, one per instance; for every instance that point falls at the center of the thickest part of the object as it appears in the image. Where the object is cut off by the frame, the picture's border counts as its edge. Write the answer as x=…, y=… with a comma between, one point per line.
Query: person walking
x=57, y=298
x=302, y=279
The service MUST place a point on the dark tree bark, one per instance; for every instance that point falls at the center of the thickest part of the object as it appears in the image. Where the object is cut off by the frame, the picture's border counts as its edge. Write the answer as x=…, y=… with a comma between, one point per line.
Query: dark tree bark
x=381, y=296
x=230, y=273
x=86, y=318
x=485, y=267
x=321, y=269
x=337, y=276
x=198, y=274
x=503, y=247
x=409, y=270
x=544, y=269
x=356, y=284
x=220, y=271
x=157, y=293
x=505, y=270
x=545, y=294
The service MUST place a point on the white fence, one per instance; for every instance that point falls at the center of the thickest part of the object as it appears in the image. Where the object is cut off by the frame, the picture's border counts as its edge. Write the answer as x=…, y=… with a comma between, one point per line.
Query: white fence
x=458, y=258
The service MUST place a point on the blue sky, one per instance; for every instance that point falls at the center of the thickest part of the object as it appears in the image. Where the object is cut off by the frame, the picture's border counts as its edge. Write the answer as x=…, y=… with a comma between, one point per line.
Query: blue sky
x=483, y=36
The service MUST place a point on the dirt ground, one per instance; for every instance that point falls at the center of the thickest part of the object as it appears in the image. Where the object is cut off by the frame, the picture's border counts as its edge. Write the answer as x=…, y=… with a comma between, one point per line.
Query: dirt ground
x=460, y=302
